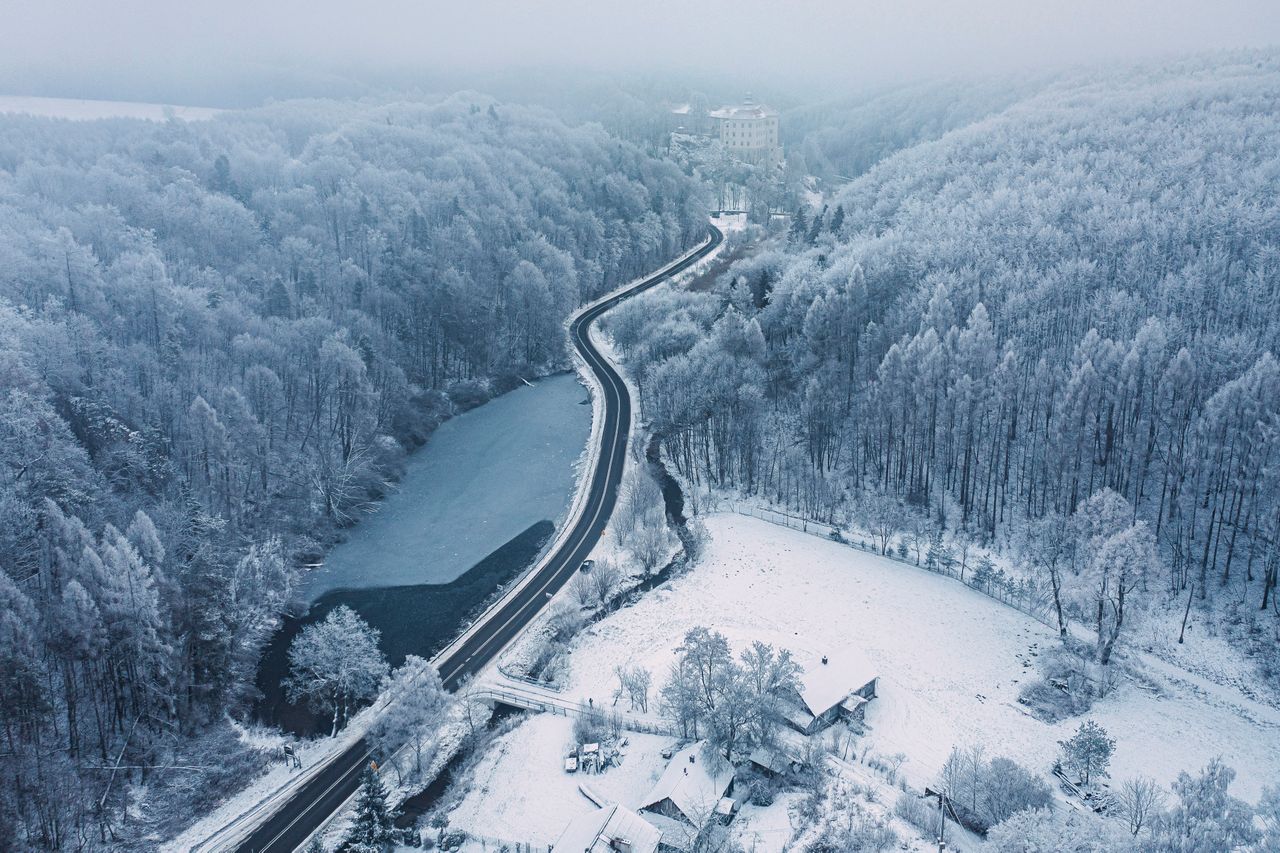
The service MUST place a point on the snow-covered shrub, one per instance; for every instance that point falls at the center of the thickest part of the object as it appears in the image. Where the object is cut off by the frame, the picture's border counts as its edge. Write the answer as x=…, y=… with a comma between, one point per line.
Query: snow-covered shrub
x=469, y=393
x=863, y=832
x=591, y=725
x=982, y=793
x=1064, y=688
x=224, y=760
x=1061, y=830
x=919, y=812
x=756, y=788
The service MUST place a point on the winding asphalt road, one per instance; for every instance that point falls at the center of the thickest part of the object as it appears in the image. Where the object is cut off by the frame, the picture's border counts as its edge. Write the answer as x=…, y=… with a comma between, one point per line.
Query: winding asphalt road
x=295, y=820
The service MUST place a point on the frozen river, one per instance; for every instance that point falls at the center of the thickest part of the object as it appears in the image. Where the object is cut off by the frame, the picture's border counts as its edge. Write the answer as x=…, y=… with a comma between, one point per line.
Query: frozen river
x=482, y=479
x=476, y=505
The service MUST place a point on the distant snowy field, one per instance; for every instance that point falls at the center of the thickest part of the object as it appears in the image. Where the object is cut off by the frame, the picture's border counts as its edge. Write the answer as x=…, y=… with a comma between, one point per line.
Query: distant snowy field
x=86, y=110
x=951, y=660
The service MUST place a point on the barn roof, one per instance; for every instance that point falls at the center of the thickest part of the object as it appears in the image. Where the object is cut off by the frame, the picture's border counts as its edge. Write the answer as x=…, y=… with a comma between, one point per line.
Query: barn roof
x=595, y=832
x=694, y=787
x=825, y=685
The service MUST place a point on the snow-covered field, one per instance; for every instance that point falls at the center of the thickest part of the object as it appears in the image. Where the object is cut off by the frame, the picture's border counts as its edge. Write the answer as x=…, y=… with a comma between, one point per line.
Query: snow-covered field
x=951, y=660
x=520, y=791
x=88, y=110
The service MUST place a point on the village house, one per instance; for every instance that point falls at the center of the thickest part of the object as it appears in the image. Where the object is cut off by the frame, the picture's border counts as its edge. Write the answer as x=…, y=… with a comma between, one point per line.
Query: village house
x=612, y=829
x=833, y=687
x=688, y=793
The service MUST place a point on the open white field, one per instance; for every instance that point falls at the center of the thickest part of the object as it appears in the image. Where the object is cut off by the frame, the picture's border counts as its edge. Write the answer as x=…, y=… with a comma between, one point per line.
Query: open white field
x=951, y=660
x=88, y=110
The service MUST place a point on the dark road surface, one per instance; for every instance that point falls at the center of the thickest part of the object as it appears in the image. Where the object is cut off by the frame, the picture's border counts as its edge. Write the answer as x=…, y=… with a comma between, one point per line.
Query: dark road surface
x=299, y=816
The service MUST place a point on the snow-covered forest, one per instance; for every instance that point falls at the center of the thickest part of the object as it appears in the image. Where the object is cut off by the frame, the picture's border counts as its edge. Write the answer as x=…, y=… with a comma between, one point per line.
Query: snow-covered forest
x=218, y=340
x=1073, y=298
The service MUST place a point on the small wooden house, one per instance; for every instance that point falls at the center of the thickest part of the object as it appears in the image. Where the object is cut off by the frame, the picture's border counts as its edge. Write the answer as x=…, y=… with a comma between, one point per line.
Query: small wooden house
x=834, y=686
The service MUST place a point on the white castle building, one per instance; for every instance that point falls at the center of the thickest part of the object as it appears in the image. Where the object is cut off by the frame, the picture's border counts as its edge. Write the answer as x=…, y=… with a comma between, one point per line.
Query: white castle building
x=749, y=131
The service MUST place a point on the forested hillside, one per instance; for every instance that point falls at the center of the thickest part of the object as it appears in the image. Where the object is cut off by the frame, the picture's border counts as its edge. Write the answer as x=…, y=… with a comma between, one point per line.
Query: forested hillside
x=1077, y=295
x=217, y=341
x=843, y=138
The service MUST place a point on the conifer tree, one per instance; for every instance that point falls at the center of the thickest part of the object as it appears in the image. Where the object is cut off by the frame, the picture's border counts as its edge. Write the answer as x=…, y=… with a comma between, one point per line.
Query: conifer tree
x=816, y=229
x=799, y=225
x=371, y=832
x=837, y=220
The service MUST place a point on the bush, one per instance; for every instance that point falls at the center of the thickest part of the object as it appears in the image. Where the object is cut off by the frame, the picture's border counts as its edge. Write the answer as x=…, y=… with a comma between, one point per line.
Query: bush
x=983, y=793
x=1064, y=688
x=590, y=726
x=468, y=394
x=453, y=840
x=867, y=833
x=758, y=789
x=226, y=763
x=919, y=812
x=1011, y=788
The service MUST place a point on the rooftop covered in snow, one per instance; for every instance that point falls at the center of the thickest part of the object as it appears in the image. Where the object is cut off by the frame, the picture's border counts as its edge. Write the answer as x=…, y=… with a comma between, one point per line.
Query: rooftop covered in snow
x=748, y=109
x=693, y=782
x=602, y=831
x=823, y=686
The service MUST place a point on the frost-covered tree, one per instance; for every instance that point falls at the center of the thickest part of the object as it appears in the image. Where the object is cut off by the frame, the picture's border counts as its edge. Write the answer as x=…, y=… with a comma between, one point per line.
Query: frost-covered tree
x=335, y=664
x=1140, y=800
x=1205, y=817
x=417, y=704
x=1087, y=753
x=736, y=704
x=1057, y=830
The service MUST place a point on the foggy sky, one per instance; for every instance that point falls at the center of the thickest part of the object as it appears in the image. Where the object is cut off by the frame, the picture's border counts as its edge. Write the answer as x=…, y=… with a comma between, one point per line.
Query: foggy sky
x=871, y=41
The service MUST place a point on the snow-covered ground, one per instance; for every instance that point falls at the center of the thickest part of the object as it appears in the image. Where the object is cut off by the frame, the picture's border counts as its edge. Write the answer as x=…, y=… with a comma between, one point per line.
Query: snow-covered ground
x=767, y=829
x=88, y=110
x=520, y=791
x=951, y=660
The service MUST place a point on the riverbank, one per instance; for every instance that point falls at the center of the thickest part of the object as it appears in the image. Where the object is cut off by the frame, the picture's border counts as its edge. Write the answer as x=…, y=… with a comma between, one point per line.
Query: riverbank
x=477, y=504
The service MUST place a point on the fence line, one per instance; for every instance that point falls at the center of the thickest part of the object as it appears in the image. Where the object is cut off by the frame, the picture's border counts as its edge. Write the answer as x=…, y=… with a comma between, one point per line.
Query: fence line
x=1027, y=597
x=627, y=720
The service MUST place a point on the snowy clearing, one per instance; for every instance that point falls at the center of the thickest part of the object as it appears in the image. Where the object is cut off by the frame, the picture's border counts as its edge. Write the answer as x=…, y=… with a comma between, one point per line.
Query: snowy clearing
x=951, y=660
x=80, y=109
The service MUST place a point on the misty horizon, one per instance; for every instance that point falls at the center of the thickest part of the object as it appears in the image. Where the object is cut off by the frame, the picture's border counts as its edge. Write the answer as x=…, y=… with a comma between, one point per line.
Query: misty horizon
x=239, y=54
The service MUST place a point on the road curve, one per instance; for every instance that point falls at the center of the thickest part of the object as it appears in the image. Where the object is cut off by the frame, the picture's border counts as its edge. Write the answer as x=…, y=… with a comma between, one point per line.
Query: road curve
x=294, y=821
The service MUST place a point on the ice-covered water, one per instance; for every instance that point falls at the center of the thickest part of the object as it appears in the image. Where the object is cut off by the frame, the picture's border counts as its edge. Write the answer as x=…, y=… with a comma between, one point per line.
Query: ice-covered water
x=483, y=478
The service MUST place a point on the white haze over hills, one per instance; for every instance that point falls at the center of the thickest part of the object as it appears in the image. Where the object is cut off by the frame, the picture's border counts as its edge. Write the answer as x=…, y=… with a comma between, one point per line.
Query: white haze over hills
x=218, y=51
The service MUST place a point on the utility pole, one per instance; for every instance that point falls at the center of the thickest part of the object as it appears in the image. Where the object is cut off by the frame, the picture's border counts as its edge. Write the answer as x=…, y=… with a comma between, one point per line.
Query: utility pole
x=942, y=817
x=942, y=826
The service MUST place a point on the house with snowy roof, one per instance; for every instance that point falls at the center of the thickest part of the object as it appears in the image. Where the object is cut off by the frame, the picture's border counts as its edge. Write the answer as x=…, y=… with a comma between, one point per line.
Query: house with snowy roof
x=612, y=829
x=835, y=686
x=690, y=789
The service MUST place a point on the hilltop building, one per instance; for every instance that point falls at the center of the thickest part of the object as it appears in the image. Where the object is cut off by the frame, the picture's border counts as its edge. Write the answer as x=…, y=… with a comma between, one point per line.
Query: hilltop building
x=749, y=131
